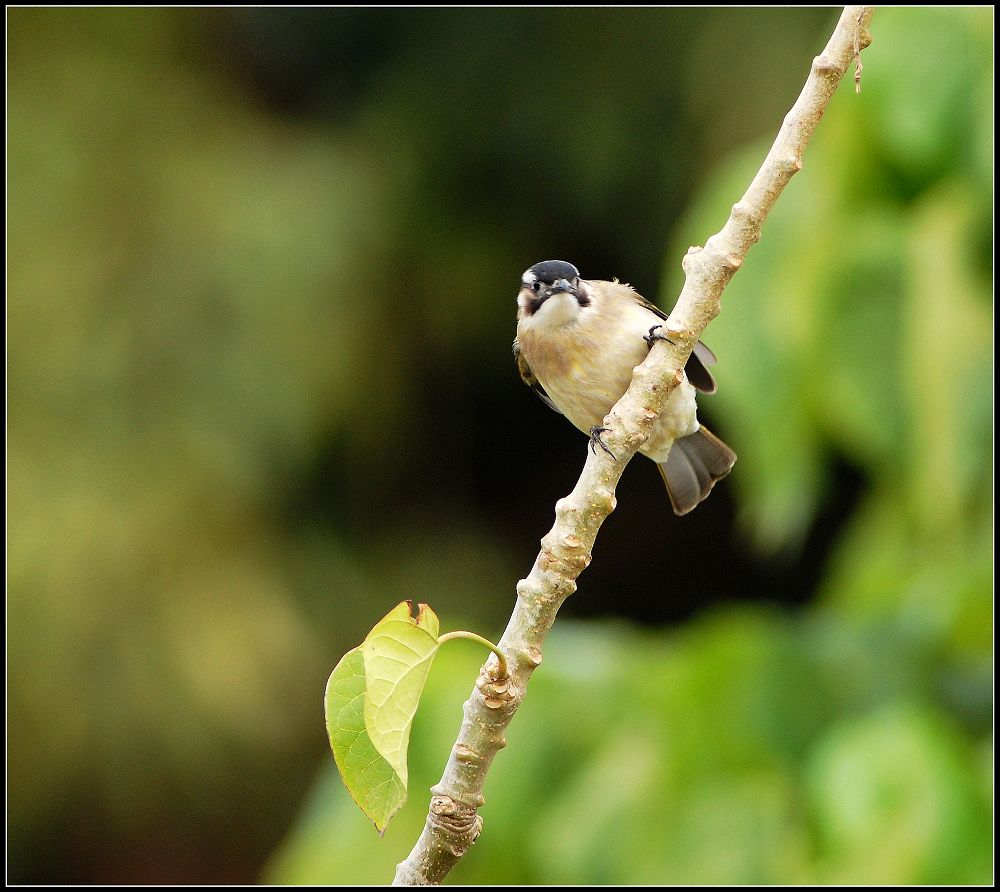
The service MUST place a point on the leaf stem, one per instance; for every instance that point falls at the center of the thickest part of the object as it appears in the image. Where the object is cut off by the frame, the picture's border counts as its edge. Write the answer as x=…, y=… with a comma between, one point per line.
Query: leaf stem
x=472, y=636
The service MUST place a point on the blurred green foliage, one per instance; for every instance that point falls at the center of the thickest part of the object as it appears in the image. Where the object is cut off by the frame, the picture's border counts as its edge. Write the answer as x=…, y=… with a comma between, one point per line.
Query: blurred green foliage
x=216, y=485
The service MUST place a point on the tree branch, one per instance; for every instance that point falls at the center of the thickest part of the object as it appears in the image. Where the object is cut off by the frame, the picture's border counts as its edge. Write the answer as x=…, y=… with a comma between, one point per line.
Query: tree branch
x=453, y=822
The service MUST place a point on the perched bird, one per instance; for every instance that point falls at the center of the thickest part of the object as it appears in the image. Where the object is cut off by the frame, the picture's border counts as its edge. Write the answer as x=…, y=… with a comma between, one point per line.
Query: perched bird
x=577, y=344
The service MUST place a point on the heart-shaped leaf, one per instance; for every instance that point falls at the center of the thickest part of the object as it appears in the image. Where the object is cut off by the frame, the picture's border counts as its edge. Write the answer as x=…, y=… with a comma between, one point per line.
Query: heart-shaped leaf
x=371, y=698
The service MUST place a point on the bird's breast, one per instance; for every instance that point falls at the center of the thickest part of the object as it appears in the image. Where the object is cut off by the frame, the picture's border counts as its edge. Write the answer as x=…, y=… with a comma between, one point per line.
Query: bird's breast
x=585, y=367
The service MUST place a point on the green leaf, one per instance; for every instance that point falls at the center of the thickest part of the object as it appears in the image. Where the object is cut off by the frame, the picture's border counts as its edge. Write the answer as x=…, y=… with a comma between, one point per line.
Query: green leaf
x=398, y=654
x=371, y=699
x=371, y=781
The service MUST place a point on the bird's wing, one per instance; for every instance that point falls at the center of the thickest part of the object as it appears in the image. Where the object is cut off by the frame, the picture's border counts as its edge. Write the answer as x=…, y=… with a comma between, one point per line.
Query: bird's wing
x=697, y=369
x=528, y=377
x=701, y=357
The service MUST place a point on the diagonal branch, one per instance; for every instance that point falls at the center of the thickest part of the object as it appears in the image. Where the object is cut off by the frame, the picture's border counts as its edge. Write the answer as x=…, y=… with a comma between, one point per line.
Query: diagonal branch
x=453, y=822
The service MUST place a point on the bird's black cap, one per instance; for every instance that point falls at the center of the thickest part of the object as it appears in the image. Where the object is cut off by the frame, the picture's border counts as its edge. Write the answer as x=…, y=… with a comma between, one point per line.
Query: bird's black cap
x=550, y=271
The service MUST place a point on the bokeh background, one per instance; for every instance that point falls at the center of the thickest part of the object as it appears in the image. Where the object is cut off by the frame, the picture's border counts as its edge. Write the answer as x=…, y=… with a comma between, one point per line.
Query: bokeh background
x=262, y=267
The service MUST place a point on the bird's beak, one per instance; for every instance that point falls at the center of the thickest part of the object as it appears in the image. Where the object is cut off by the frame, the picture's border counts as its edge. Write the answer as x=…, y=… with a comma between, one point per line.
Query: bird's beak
x=559, y=286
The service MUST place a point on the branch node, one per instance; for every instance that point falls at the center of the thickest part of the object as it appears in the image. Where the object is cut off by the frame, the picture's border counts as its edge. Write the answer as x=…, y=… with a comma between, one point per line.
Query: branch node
x=494, y=688
x=459, y=824
x=444, y=806
x=686, y=260
x=824, y=65
x=499, y=687
x=496, y=692
x=745, y=217
x=790, y=165
x=524, y=588
x=466, y=754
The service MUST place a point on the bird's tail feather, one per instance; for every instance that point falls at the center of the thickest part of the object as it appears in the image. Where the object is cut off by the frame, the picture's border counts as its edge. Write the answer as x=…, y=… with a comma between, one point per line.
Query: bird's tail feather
x=695, y=464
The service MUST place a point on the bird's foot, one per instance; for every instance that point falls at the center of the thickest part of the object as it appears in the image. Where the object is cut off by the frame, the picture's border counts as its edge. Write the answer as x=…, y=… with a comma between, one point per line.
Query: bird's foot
x=595, y=440
x=653, y=336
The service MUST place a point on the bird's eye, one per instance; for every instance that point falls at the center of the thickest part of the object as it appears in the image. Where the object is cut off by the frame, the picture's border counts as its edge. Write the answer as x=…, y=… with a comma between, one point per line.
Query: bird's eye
x=535, y=286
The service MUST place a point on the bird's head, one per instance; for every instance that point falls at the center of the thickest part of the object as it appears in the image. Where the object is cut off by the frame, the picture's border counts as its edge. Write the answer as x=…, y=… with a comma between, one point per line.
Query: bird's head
x=552, y=293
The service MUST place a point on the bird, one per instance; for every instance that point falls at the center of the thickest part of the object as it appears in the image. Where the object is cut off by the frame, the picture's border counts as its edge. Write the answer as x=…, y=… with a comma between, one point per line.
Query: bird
x=577, y=344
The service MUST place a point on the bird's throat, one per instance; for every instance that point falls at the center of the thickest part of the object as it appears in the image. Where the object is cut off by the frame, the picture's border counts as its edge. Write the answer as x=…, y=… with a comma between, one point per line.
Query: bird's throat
x=555, y=312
